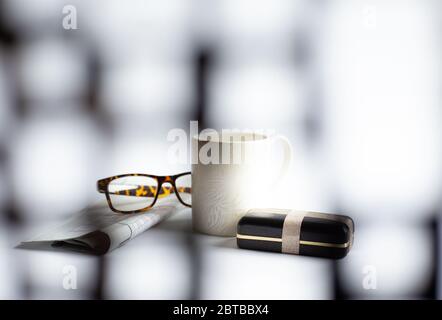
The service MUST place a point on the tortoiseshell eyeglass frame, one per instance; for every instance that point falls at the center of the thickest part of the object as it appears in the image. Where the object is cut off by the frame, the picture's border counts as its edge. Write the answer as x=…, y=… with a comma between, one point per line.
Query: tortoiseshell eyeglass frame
x=144, y=191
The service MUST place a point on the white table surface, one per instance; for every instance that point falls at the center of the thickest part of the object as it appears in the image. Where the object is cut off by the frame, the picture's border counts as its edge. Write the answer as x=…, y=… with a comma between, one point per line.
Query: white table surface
x=168, y=261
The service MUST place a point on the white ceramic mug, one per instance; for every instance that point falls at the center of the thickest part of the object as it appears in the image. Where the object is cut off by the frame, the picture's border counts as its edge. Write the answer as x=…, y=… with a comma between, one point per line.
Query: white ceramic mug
x=231, y=173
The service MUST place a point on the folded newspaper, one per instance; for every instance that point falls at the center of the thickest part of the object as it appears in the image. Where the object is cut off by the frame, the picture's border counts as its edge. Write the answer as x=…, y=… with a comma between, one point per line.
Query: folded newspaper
x=97, y=229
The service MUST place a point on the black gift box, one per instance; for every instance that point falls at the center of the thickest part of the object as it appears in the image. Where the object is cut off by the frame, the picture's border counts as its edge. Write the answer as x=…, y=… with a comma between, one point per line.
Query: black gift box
x=296, y=232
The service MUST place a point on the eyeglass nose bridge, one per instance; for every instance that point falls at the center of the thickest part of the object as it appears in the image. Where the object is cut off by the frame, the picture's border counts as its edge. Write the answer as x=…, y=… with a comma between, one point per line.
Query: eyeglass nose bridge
x=168, y=179
x=164, y=181
x=167, y=192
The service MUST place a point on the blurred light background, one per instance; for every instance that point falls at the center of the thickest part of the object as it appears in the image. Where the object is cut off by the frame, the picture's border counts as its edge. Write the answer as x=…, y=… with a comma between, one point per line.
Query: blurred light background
x=355, y=86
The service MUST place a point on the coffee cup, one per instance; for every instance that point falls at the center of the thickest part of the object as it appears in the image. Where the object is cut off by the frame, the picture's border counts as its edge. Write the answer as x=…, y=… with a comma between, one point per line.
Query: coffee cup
x=231, y=173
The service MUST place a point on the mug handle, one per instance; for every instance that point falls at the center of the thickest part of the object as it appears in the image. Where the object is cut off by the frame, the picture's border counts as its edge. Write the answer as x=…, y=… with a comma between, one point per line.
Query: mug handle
x=288, y=155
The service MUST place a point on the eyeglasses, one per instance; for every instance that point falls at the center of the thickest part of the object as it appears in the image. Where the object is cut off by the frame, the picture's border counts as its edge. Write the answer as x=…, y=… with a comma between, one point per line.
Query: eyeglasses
x=133, y=193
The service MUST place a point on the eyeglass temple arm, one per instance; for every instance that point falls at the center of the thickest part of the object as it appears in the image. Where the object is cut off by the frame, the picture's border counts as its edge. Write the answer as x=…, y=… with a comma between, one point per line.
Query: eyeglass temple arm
x=145, y=191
